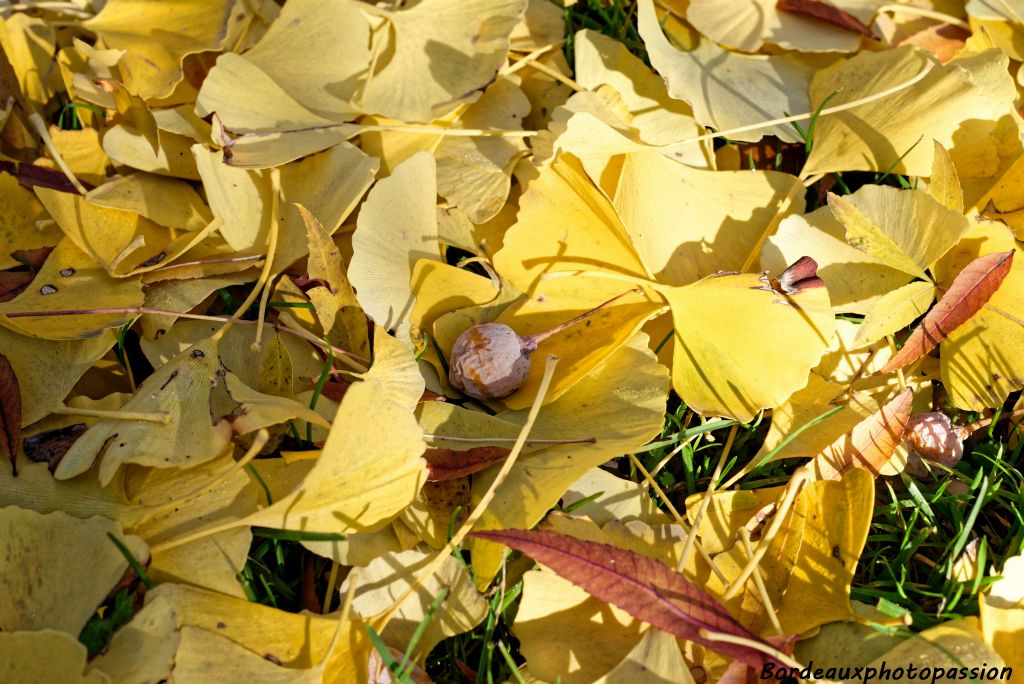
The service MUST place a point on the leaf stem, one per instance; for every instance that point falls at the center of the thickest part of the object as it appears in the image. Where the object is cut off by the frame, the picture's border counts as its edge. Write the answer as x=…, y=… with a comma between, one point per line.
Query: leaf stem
x=162, y=418
x=485, y=500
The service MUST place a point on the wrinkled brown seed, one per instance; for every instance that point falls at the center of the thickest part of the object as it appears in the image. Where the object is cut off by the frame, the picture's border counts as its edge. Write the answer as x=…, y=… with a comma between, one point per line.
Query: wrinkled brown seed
x=490, y=361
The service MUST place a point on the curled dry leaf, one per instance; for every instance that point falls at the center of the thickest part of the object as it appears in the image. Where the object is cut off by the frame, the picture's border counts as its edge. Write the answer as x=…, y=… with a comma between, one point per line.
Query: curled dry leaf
x=645, y=588
x=969, y=291
x=869, y=445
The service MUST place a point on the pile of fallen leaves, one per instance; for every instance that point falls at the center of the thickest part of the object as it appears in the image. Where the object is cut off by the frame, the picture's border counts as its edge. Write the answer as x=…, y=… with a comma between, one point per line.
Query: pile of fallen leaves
x=392, y=281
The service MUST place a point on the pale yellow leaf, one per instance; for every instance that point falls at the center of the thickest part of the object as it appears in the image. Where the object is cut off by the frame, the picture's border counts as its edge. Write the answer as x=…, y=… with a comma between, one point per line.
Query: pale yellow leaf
x=45, y=657
x=397, y=227
x=352, y=488
x=728, y=89
x=143, y=650
x=390, y=575
x=47, y=582
x=464, y=44
x=741, y=347
x=896, y=310
x=70, y=280
x=957, y=104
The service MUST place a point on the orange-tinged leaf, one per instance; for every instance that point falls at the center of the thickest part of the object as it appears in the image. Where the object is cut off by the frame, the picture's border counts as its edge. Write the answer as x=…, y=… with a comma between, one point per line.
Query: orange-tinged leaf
x=645, y=588
x=869, y=445
x=449, y=464
x=968, y=292
x=10, y=411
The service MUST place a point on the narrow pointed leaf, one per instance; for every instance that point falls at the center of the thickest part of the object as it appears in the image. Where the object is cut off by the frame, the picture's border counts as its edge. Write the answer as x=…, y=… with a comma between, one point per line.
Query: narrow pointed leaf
x=869, y=445
x=10, y=412
x=968, y=292
x=645, y=588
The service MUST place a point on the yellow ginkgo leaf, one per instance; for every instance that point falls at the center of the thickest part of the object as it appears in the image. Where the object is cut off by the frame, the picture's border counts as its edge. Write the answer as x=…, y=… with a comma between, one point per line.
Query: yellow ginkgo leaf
x=82, y=153
x=837, y=520
x=118, y=240
x=19, y=211
x=466, y=43
x=855, y=279
x=334, y=35
x=165, y=201
x=621, y=403
x=143, y=650
x=127, y=147
x=46, y=582
x=862, y=234
x=441, y=288
x=207, y=655
x=656, y=657
x=904, y=229
x=390, y=575
x=948, y=646
x=612, y=498
x=71, y=281
x=944, y=183
x=353, y=488
x=29, y=44
x=672, y=213
x=1002, y=613
x=397, y=226
x=179, y=393
x=754, y=358
x=749, y=24
x=896, y=310
x=474, y=173
x=157, y=38
x=957, y=104
x=727, y=89
x=246, y=100
x=999, y=22
x=298, y=641
x=564, y=224
x=657, y=118
x=45, y=656
x=558, y=624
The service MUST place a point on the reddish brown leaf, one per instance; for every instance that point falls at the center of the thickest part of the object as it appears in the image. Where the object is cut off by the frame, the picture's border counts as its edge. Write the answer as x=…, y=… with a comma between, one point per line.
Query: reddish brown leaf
x=645, y=588
x=30, y=176
x=335, y=389
x=869, y=445
x=12, y=283
x=969, y=291
x=824, y=12
x=448, y=464
x=10, y=412
x=33, y=258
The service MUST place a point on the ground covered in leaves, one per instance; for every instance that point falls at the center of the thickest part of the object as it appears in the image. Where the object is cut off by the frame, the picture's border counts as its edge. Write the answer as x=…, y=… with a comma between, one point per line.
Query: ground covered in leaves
x=510, y=340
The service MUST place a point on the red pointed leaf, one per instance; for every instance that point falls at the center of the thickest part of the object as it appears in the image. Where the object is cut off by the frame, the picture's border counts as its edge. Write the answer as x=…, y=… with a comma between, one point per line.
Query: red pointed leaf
x=869, y=445
x=645, y=588
x=968, y=292
x=829, y=14
x=10, y=412
x=448, y=464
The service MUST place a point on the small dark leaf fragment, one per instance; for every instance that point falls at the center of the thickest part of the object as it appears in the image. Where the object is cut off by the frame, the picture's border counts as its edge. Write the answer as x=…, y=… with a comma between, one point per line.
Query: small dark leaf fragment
x=10, y=412
x=50, y=446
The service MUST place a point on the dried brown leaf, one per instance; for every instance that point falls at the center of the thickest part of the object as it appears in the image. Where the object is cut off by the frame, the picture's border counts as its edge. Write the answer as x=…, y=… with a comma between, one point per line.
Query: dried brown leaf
x=968, y=292
x=869, y=445
x=449, y=464
x=10, y=411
